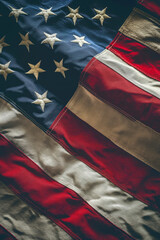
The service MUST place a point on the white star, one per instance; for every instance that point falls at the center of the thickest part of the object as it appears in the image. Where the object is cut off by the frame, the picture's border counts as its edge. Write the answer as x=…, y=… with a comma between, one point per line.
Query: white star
x=51, y=39
x=2, y=43
x=35, y=69
x=25, y=41
x=5, y=70
x=101, y=15
x=46, y=13
x=74, y=14
x=80, y=40
x=16, y=12
x=60, y=68
x=41, y=100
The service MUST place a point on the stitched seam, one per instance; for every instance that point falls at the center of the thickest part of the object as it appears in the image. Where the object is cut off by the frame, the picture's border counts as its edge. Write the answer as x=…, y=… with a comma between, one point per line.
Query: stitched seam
x=39, y=208
x=51, y=135
x=102, y=99
x=123, y=112
x=126, y=115
x=115, y=41
x=43, y=209
x=70, y=103
x=106, y=101
x=123, y=29
x=137, y=154
x=19, y=152
x=59, y=119
x=73, y=99
x=147, y=16
x=128, y=20
x=126, y=60
x=88, y=67
x=132, y=82
x=133, y=36
x=109, y=103
x=103, y=173
x=23, y=111
x=54, y=122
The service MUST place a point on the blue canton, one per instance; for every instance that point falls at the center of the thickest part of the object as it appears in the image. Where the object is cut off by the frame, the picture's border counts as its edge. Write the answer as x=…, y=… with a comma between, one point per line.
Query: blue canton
x=45, y=45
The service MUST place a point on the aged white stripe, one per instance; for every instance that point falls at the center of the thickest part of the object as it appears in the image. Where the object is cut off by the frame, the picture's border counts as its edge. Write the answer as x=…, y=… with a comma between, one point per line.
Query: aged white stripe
x=144, y=28
x=23, y=222
x=132, y=136
x=131, y=74
x=123, y=210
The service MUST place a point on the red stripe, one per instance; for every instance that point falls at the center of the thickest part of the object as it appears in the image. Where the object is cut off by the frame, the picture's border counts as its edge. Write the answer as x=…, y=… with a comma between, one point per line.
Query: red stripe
x=115, y=89
x=5, y=234
x=102, y=155
x=152, y=5
x=137, y=55
x=60, y=204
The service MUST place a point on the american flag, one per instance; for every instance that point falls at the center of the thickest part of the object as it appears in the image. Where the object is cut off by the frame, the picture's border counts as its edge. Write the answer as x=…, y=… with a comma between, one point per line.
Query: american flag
x=79, y=119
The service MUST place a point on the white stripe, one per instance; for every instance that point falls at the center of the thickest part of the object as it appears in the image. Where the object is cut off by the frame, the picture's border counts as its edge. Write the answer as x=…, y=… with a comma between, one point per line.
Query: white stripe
x=131, y=74
x=119, y=207
x=23, y=222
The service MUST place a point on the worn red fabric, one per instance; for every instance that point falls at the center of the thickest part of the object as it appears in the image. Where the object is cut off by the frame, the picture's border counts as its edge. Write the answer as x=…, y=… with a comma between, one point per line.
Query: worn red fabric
x=110, y=86
x=62, y=205
x=134, y=54
x=103, y=156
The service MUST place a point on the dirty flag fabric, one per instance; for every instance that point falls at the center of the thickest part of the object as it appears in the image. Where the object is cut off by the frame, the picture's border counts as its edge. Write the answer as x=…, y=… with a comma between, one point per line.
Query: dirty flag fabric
x=79, y=119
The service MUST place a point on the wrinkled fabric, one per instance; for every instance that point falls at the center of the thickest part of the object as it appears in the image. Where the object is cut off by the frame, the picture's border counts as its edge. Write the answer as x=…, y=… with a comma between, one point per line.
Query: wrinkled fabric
x=144, y=28
x=19, y=88
x=130, y=135
x=127, y=212
x=24, y=222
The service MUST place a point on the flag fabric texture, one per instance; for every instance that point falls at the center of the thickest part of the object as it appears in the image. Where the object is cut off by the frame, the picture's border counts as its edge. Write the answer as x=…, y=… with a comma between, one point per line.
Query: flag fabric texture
x=79, y=119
